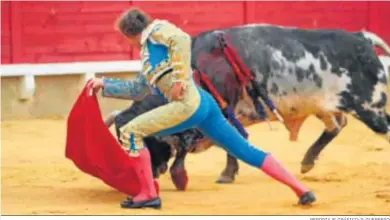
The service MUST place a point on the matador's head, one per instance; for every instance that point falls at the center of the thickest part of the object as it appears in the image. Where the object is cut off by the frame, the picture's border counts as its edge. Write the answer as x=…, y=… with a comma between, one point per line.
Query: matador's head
x=131, y=23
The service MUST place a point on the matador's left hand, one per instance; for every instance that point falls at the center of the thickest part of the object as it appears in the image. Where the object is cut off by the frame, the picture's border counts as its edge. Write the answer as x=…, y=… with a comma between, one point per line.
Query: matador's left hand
x=95, y=84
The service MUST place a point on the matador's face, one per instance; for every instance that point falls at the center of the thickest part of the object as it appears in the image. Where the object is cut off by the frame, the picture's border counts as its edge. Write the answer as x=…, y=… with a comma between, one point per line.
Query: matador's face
x=135, y=41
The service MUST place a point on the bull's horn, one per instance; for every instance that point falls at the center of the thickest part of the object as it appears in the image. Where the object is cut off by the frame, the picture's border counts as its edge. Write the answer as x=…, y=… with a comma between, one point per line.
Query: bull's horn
x=377, y=41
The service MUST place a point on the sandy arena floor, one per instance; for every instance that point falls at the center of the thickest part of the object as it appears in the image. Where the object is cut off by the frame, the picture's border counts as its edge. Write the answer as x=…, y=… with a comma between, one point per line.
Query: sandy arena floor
x=352, y=176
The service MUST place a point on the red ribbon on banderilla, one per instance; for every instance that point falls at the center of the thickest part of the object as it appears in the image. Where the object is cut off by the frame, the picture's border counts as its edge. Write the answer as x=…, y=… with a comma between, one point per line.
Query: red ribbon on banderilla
x=246, y=79
x=202, y=78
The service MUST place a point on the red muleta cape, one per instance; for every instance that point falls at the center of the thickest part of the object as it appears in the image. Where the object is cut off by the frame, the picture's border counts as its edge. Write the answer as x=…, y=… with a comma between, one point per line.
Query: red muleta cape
x=94, y=150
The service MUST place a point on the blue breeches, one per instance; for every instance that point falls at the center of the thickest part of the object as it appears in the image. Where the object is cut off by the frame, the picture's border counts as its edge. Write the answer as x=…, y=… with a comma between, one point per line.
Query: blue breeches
x=208, y=118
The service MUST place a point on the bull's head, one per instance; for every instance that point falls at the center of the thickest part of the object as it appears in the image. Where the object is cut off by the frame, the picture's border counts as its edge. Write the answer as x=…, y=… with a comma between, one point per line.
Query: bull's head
x=160, y=153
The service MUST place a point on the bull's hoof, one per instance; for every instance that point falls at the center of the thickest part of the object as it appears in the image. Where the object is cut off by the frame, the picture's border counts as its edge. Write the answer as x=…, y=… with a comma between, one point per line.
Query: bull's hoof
x=307, y=198
x=225, y=179
x=306, y=168
x=228, y=175
x=179, y=178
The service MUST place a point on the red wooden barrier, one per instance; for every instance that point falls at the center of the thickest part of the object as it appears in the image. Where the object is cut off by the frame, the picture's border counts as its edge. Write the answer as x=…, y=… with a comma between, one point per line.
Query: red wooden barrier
x=39, y=32
x=6, y=32
x=379, y=19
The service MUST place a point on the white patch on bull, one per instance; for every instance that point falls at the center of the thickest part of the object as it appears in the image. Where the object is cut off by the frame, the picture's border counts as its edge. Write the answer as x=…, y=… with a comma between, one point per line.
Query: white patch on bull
x=307, y=94
x=366, y=106
x=376, y=97
x=334, y=85
x=257, y=77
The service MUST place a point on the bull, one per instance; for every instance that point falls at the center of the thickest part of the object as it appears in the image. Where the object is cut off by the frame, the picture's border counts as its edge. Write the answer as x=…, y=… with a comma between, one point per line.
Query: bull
x=325, y=73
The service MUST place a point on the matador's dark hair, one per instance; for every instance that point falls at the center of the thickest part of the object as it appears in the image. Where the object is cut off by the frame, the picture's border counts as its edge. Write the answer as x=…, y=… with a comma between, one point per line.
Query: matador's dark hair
x=132, y=22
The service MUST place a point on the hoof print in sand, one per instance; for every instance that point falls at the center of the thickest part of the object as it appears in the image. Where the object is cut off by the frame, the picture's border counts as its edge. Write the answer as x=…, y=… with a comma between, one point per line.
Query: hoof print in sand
x=383, y=195
x=322, y=179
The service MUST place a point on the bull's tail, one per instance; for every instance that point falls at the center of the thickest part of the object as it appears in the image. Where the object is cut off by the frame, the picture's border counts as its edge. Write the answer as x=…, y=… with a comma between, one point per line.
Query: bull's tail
x=377, y=41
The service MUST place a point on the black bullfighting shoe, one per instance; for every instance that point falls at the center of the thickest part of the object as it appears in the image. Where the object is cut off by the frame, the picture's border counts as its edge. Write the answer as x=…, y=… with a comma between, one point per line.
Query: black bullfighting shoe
x=127, y=202
x=307, y=198
x=152, y=203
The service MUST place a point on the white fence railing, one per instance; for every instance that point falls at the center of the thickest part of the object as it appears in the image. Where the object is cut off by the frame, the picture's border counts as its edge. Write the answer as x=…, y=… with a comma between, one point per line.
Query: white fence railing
x=27, y=72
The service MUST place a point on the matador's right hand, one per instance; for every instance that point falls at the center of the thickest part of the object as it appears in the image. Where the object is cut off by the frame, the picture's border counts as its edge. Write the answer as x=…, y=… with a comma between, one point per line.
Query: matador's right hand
x=177, y=91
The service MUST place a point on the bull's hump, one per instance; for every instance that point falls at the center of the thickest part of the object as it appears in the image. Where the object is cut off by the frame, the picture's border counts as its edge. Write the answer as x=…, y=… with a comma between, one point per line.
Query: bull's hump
x=267, y=26
x=262, y=25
